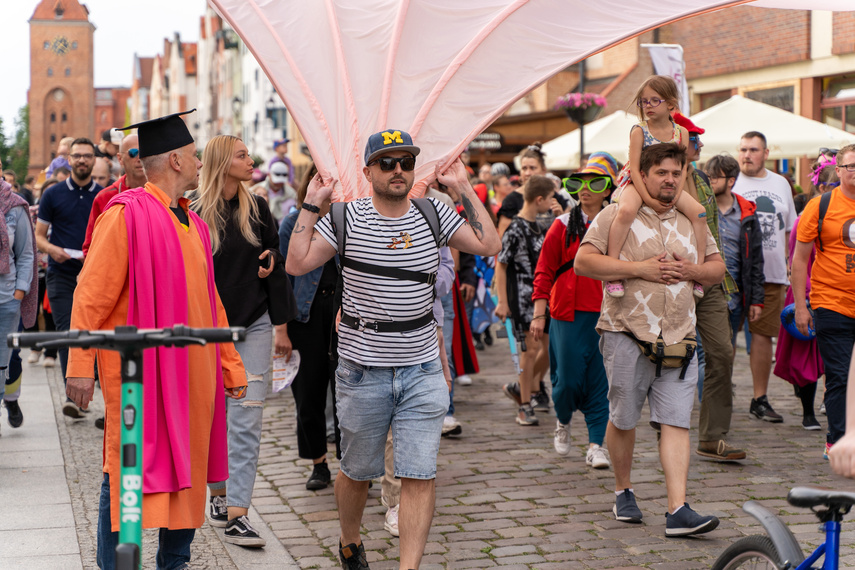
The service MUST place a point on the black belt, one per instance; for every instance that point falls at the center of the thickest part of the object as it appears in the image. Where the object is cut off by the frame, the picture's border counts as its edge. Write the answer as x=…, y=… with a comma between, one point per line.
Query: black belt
x=386, y=326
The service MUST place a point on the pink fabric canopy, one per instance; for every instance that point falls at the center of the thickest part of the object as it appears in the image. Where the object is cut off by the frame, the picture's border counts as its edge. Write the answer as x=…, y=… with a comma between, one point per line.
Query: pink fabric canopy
x=443, y=70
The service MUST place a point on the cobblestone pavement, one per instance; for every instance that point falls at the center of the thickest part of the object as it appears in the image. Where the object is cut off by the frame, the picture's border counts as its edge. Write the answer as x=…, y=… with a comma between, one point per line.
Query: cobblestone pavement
x=504, y=497
x=81, y=446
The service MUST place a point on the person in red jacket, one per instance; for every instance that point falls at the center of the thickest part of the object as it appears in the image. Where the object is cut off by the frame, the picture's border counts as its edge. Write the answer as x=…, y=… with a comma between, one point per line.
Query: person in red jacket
x=134, y=177
x=579, y=379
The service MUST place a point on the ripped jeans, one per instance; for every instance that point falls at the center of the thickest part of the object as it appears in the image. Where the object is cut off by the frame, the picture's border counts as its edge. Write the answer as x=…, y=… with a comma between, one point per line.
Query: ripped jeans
x=244, y=416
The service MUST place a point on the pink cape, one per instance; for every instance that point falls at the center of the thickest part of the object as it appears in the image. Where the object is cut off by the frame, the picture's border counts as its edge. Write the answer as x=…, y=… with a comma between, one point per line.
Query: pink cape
x=156, y=263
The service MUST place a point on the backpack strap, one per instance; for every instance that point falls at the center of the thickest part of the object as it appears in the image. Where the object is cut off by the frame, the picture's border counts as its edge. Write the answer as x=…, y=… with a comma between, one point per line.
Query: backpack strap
x=824, y=200
x=338, y=216
x=428, y=211
x=563, y=269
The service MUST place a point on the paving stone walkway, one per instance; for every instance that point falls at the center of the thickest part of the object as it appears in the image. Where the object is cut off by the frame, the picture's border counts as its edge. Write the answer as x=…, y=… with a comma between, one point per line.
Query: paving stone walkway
x=505, y=498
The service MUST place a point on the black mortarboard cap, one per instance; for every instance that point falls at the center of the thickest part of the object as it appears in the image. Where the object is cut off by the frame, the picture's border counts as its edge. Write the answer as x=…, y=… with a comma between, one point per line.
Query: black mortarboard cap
x=163, y=134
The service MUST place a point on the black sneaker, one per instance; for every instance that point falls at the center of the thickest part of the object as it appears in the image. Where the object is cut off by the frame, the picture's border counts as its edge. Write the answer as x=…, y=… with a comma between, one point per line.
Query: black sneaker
x=625, y=509
x=240, y=532
x=540, y=400
x=762, y=410
x=809, y=422
x=512, y=391
x=488, y=337
x=320, y=477
x=353, y=557
x=16, y=416
x=218, y=512
x=99, y=422
x=686, y=522
x=72, y=410
x=526, y=416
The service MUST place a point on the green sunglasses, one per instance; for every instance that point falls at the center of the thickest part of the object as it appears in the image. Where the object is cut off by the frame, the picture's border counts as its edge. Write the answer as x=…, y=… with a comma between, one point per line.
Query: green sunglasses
x=595, y=185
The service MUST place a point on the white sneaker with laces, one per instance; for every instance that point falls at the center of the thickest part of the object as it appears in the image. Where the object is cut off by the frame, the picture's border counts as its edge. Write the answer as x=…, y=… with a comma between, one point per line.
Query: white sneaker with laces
x=49, y=362
x=464, y=380
x=391, y=524
x=561, y=441
x=597, y=458
x=34, y=356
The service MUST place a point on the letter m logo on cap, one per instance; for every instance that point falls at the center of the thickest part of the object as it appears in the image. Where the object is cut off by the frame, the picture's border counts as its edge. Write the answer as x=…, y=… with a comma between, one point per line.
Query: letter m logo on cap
x=389, y=138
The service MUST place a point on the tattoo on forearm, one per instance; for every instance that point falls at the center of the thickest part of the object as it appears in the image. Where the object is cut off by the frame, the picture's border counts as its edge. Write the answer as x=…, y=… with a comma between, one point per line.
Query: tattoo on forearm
x=300, y=230
x=314, y=239
x=472, y=216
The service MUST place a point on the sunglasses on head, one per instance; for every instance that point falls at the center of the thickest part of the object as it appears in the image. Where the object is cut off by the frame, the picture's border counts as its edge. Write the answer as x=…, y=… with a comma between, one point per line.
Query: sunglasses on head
x=595, y=185
x=829, y=151
x=387, y=163
x=133, y=152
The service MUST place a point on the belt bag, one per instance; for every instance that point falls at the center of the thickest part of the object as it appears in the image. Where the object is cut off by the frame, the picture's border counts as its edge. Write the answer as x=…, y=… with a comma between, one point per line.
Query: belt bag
x=677, y=355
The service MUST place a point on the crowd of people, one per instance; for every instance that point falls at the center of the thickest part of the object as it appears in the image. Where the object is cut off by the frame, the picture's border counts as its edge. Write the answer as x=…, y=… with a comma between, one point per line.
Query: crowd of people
x=626, y=283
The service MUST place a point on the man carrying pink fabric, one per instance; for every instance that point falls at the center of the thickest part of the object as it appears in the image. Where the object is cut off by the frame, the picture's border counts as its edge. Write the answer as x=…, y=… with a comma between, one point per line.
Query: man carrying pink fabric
x=149, y=265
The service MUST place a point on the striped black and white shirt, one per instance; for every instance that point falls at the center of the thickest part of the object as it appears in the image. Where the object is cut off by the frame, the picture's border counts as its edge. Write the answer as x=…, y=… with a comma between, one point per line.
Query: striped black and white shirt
x=405, y=243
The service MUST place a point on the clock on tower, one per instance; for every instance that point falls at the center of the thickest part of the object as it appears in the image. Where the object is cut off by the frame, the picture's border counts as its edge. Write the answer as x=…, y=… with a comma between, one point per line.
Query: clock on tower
x=60, y=45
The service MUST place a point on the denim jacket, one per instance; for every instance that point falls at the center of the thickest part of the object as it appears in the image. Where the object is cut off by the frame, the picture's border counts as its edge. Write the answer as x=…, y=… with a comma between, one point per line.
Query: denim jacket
x=305, y=286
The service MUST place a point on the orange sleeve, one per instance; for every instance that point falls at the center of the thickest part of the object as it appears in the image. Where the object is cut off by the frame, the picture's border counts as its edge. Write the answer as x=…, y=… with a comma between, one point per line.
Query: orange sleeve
x=809, y=220
x=234, y=373
x=100, y=284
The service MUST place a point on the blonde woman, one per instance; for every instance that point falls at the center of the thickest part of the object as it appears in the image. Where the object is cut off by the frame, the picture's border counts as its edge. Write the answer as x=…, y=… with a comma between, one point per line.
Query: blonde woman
x=250, y=277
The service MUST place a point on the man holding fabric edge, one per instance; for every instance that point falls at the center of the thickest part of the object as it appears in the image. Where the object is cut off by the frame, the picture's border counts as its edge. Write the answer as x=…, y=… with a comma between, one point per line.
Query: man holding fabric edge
x=389, y=374
x=150, y=266
x=658, y=306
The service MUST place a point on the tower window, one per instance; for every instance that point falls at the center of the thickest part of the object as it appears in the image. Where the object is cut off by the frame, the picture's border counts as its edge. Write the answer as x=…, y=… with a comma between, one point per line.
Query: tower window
x=64, y=118
x=73, y=45
x=50, y=72
x=47, y=45
x=67, y=71
x=53, y=117
x=53, y=139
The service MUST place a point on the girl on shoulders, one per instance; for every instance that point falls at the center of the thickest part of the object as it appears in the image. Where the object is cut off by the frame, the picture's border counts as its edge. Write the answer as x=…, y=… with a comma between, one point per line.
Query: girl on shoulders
x=656, y=100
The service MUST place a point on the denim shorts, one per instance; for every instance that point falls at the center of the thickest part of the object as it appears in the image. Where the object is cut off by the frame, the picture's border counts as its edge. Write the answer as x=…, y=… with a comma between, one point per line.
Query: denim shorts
x=412, y=400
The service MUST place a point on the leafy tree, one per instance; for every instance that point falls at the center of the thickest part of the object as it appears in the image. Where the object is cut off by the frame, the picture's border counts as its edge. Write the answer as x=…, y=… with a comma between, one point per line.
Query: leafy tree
x=5, y=151
x=20, y=151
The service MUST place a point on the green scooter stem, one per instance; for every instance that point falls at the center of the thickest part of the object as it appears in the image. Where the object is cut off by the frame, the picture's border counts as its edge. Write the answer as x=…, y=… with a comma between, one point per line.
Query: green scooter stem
x=130, y=503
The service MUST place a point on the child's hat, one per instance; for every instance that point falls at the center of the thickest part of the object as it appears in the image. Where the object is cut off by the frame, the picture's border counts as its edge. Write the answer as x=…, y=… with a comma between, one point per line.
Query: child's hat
x=601, y=163
x=687, y=123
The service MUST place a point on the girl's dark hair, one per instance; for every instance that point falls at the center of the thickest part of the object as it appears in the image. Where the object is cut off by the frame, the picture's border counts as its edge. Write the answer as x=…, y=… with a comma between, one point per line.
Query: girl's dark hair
x=576, y=227
x=534, y=151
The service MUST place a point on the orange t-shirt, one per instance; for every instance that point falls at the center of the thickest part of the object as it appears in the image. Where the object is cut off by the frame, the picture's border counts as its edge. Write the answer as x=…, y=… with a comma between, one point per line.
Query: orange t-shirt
x=832, y=280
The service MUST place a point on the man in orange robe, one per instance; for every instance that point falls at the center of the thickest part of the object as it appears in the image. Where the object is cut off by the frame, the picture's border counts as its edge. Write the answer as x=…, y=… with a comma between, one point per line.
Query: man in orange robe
x=101, y=301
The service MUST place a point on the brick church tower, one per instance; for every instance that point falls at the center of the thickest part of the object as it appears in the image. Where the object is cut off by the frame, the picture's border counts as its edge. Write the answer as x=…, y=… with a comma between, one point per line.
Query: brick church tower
x=61, y=95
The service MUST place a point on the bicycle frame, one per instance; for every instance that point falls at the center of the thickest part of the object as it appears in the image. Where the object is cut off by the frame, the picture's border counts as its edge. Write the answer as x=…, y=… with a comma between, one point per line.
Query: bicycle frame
x=830, y=549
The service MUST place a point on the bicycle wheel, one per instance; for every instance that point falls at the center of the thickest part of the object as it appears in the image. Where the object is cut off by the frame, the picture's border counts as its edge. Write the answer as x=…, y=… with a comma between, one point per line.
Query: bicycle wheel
x=755, y=552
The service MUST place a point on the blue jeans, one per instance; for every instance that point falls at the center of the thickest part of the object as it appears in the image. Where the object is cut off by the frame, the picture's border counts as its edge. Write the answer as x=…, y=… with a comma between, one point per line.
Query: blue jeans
x=244, y=416
x=835, y=335
x=448, y=337
x=60, y=291
x=10, y=315
x=173, y=550
x=412, y=400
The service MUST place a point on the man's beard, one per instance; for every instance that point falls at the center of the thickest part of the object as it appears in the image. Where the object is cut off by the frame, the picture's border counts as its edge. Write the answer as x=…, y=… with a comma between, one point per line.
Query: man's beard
x=392, y=195
x=83, y=171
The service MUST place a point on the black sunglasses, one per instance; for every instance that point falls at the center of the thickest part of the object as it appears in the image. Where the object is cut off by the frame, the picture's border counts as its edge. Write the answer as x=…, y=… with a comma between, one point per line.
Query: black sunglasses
x=829, y=151
x=387, y=163
x=133, y=152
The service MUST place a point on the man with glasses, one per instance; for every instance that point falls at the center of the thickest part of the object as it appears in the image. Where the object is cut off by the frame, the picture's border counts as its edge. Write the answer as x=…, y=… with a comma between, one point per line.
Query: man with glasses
x=713, y=322
x=64, y=210
x=832, y=287
x=389, y=372
x=769, y=191
x=134, y=177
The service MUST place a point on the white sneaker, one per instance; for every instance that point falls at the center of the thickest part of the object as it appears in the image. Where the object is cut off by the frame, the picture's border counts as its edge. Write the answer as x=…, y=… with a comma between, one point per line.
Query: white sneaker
x=35, y=355
x=49, y=362
x=391, y=524
x=562, y=439
x=464, y=380
x=597, y=458
x=451, y=426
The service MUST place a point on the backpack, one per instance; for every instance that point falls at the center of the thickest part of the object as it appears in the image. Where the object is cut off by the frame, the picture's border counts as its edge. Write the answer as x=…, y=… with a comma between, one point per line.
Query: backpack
x=824, y=201
x=338, y=217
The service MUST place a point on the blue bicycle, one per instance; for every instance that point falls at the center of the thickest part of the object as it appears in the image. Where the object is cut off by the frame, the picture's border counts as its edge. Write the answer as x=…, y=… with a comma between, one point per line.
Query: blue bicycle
x=779, y=549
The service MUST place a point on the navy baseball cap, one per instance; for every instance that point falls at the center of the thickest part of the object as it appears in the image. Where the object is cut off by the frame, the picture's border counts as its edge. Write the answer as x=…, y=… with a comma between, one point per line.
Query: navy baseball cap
x=389, y=140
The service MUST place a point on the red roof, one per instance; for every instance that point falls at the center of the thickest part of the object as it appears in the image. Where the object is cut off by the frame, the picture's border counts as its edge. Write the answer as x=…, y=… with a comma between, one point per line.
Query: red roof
x=60, y=9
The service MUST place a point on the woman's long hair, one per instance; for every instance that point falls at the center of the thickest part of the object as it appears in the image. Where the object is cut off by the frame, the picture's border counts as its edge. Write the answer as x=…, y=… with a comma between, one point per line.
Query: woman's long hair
x=209, y=202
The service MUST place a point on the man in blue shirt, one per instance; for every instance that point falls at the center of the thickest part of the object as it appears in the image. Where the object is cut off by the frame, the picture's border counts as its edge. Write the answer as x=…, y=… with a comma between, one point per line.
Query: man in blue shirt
x=64, y=210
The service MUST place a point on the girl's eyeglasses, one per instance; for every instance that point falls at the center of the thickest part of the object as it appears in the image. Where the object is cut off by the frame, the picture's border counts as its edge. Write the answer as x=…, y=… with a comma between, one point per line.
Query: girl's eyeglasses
x=595, y=185
x=654, y=102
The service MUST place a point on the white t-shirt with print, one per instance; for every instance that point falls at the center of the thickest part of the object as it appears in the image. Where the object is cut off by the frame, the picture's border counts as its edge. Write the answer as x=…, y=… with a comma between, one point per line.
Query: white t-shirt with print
x=776, y=214
x=405, y=243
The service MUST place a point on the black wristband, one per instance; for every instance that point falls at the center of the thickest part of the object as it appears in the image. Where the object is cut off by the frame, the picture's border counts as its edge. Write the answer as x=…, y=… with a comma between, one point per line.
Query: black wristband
x=311, y=207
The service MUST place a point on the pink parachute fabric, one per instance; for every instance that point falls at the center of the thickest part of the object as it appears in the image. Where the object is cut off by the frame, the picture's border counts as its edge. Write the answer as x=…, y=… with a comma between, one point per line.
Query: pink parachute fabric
x=443, y=70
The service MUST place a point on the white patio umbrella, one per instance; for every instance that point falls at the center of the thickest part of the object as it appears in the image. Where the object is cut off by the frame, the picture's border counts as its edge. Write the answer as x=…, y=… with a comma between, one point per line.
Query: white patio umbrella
x=788, y=135
x=609, y=134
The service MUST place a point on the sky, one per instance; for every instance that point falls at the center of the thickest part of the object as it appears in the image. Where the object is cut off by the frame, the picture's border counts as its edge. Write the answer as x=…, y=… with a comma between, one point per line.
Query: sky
x=122, y=28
